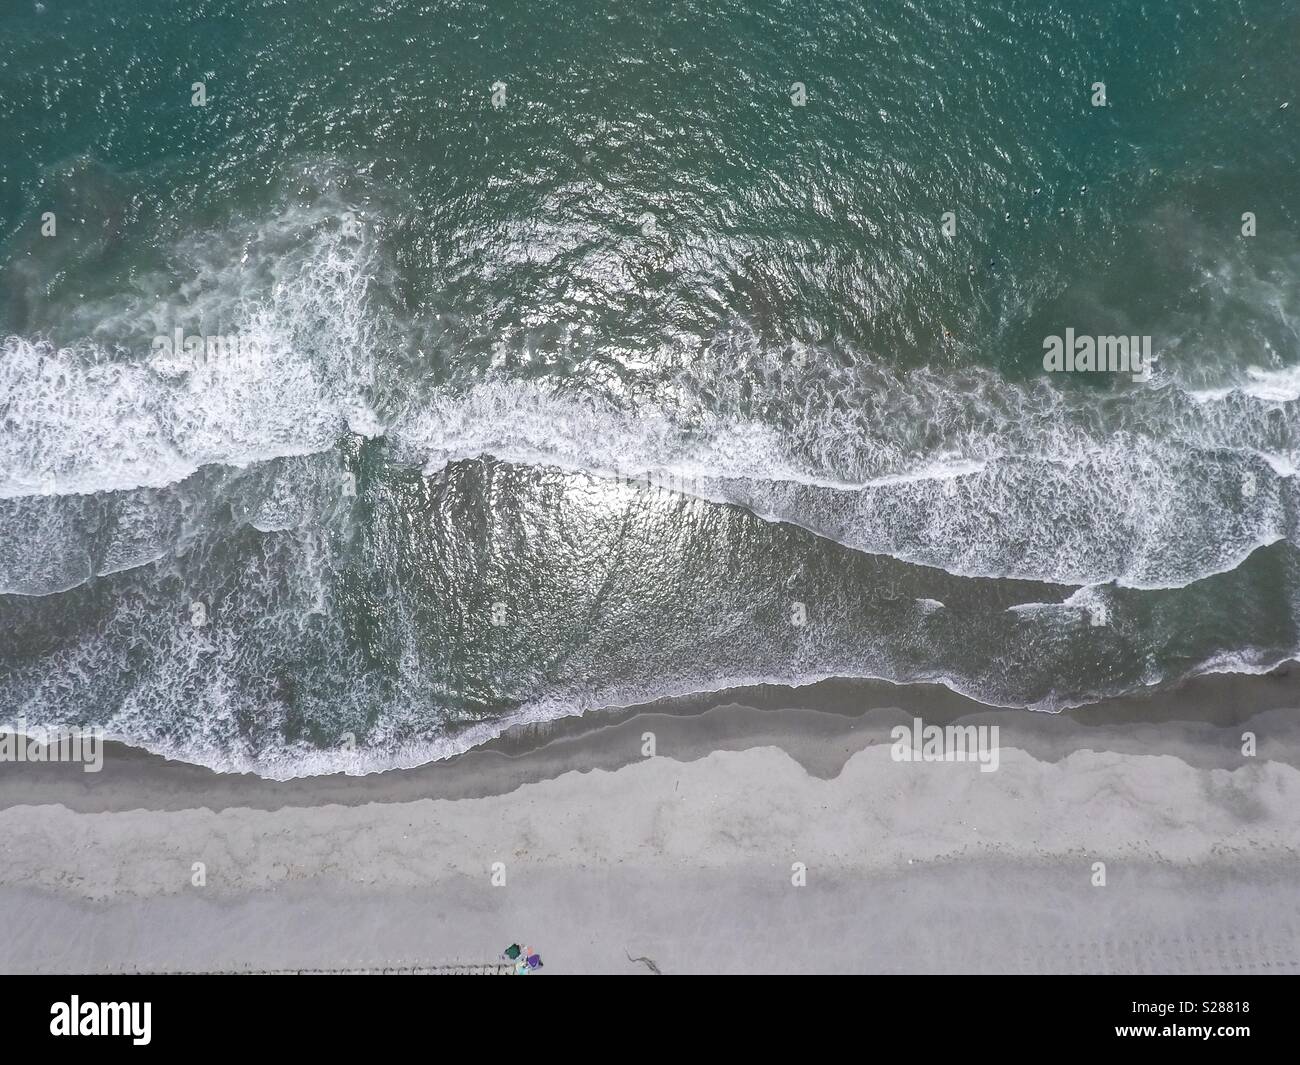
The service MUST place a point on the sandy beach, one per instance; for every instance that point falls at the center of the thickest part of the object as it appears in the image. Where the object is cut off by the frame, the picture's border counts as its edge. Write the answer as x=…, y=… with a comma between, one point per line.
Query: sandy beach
x=701, y=487
x=770, y=831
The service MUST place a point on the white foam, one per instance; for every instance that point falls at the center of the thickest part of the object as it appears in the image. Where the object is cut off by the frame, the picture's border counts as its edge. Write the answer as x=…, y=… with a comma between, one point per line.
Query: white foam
x=302, y=760
x=83, y=418
x=1271, y=386
x=1042, y=490
x=961, y=470
x=1090, y=606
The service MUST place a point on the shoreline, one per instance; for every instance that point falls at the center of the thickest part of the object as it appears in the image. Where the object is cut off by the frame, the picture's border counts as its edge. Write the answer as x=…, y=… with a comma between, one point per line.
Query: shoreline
x=818, y=725
x=761, y=837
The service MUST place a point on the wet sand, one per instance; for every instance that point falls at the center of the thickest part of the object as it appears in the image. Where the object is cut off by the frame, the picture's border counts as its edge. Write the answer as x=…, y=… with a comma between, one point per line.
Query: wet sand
x=689, y=858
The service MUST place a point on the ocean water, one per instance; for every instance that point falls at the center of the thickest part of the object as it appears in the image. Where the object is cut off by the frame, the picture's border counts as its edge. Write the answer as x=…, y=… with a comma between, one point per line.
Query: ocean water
x=576, y=365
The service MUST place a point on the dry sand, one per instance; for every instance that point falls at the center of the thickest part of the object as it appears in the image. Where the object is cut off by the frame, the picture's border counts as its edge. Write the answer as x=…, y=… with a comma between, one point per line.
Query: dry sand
x=685, y=860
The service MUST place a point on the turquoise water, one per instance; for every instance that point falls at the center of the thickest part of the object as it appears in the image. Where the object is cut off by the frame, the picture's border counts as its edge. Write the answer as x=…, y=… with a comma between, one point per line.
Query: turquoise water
x=644, y=380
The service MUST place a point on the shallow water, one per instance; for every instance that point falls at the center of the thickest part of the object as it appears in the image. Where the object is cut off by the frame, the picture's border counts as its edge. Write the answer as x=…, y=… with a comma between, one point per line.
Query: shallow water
x=645, y=381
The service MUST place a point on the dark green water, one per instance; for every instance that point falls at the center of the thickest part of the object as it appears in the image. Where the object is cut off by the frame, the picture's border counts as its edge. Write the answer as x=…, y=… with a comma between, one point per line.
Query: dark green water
x=643, y=380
